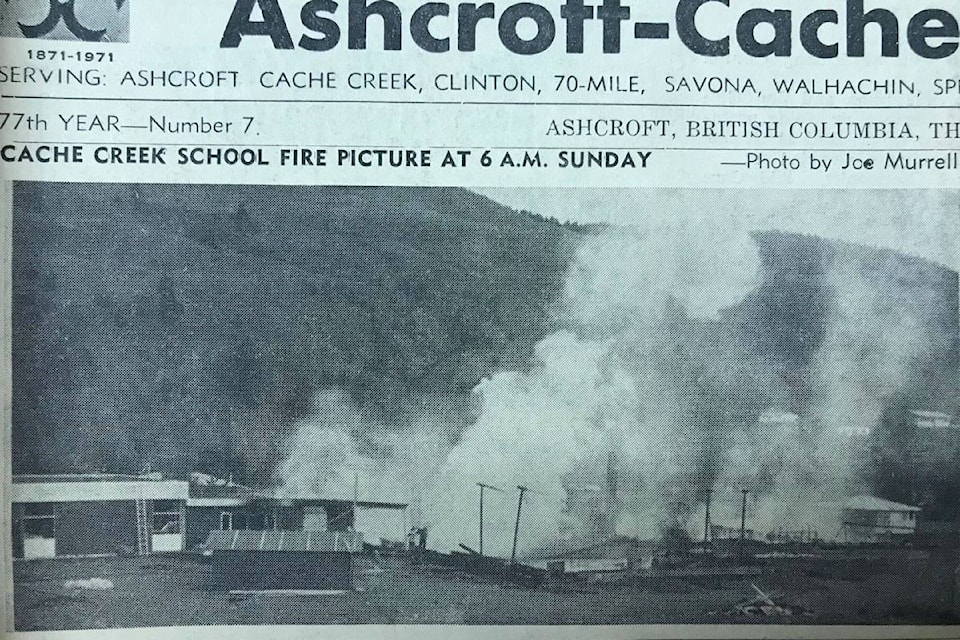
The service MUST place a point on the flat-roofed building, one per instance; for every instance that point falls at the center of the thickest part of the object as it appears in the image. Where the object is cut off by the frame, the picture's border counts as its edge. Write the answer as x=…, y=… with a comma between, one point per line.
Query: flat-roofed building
x=97, y=514
x=872, y=519
x=225, y=506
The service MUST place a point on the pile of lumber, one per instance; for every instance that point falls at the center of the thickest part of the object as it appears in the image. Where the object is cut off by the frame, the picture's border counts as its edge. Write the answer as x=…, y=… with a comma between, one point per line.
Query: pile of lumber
x=765, y=605
x=473, y=563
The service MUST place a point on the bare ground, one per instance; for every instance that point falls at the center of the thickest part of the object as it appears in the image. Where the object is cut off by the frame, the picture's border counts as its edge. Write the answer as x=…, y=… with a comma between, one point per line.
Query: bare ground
x=862, y=587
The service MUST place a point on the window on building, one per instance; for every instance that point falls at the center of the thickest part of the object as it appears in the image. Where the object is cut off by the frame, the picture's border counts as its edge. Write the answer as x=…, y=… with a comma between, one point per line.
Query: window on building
x=166, y=516
x=261, y=521
x=234, y=520
x=39, y=520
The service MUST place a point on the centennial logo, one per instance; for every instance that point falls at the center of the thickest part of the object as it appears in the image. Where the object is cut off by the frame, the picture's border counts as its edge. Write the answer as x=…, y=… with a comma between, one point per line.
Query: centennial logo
x=86, y=20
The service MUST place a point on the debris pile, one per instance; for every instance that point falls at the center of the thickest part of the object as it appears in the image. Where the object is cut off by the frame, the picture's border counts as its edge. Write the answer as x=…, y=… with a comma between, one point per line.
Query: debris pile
x=764, y=605
x=472, y=563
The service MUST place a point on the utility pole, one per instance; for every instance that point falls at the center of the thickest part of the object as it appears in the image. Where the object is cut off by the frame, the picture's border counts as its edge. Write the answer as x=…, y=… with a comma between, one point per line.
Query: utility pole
x=482, y=487
x=743, y=518
x=356, y=490
x=516, y=527
x=706, y=521
x=612, y=501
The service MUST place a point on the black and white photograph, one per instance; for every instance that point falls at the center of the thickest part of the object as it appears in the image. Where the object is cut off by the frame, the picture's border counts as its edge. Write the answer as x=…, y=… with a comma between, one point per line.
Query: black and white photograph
x=308, y=405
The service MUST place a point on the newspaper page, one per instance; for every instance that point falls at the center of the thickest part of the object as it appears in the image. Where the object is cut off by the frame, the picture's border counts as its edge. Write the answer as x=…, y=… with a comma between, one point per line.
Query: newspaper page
x=500, y=319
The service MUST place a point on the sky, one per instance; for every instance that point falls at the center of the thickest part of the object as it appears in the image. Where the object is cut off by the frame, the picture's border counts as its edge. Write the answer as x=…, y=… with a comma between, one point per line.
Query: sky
x=924, y=223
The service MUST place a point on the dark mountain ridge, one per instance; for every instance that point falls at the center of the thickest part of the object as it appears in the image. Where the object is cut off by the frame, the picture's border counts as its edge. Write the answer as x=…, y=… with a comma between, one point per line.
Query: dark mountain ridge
x=178, y=326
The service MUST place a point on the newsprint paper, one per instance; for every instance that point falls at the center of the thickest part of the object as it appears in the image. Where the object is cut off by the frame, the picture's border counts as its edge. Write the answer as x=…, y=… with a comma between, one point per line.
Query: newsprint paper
x=490, y=319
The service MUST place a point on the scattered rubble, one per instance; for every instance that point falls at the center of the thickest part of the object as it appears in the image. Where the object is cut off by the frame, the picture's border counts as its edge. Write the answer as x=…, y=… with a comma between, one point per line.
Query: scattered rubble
x=470, y=563
x=764, y=605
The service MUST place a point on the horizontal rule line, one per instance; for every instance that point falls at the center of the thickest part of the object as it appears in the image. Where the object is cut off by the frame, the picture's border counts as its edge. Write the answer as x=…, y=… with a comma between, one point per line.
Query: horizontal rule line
x=494, y=147
x=478, y=103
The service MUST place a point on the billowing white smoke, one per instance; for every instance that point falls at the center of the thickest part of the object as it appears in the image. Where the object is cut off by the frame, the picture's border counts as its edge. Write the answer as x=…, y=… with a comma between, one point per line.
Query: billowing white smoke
x=868, y=352
x=325, y=460
x=640, y=370
x=533, y=428
x=603, y=384
x=801, y=470
x=621, y=278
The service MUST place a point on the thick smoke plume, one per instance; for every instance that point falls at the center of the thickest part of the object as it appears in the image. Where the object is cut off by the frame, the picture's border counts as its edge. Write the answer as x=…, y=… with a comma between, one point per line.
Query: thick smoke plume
x=340, y=454
x=632, y=374
x=645, y=370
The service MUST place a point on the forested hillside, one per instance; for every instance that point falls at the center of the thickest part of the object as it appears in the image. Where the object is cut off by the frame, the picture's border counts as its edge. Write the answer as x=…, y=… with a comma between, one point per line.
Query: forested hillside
x=190, y=327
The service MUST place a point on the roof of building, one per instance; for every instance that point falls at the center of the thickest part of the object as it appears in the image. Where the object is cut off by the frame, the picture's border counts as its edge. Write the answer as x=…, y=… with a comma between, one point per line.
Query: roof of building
x=220, y=491
x=83, y=477
x=933, y=419
x=105, y=487
x=235, y=495
x=284, y=541
x=96, y=488
x=873, y=503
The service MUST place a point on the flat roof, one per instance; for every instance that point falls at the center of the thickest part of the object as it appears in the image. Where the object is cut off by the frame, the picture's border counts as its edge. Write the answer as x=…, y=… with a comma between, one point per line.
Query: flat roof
x=29, y=489
x=80, y=477
x=103, y=487
x=224, y=490
x=235, y=495
x=321, y=501
x=318, y=541
x=873, y=503
x=254, y=499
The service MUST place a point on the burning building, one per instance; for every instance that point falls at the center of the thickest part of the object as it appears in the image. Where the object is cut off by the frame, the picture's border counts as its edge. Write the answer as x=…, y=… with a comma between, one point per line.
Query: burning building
x=235, y=509
x=258, y=541
x=103, y=514
x=712, y=369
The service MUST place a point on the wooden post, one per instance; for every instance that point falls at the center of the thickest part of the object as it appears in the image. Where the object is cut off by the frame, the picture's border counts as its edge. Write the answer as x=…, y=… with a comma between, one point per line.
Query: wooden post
x=481, y=517
x=482, y=487
x=353, y=512
x=706, y=521
x=516, y=527
x=743, y=514
x=743, y=519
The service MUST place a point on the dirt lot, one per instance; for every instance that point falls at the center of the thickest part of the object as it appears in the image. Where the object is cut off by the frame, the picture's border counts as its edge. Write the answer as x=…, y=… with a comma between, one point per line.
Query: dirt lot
x=865, y=587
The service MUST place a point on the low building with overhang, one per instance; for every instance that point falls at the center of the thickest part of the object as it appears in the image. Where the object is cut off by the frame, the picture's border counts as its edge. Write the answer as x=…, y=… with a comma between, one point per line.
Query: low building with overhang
x=97, y=515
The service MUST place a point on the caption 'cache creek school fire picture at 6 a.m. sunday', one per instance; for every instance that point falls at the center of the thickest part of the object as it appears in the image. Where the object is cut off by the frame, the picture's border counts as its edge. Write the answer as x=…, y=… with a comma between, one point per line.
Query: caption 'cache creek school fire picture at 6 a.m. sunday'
x=344, y=405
